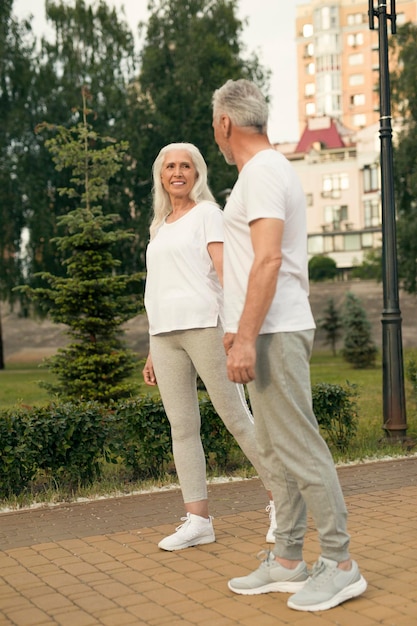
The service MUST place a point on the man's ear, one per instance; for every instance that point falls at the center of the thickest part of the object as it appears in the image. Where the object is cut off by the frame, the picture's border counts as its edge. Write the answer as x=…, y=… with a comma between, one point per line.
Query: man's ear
x=226, y=125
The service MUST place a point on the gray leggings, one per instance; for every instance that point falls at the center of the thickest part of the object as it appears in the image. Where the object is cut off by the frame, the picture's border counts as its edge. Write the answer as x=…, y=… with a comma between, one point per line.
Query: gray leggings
x=177, y=358
x=299, y=462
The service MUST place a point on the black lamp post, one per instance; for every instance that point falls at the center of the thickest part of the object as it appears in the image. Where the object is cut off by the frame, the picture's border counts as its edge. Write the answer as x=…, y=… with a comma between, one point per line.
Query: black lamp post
x=395, y=421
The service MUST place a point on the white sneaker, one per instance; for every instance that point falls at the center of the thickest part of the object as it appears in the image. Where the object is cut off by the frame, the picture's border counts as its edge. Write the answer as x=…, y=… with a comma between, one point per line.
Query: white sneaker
x=195, y=531
x=270, y=536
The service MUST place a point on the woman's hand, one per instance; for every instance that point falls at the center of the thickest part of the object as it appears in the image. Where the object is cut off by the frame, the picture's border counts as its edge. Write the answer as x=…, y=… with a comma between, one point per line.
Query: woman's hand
x=148, y=372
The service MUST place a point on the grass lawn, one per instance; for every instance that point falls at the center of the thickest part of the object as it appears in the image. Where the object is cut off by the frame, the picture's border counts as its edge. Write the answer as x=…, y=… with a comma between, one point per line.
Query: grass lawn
x=19, y=384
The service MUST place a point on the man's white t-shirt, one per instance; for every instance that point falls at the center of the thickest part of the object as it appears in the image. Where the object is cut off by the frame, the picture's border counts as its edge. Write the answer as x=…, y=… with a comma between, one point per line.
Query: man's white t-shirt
x=267, y=187
x=182, y=288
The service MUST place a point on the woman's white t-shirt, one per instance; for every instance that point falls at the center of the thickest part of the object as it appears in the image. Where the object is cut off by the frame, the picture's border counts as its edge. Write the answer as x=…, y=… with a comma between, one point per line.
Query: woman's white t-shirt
x=182, y=288
x=267, y=187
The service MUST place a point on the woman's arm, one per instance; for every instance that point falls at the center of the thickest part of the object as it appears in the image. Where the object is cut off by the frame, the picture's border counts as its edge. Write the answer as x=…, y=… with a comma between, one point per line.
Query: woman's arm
x=215, y=250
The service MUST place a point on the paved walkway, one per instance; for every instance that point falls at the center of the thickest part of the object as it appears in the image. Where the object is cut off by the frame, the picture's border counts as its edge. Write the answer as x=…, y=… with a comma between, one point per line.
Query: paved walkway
x=98, y=562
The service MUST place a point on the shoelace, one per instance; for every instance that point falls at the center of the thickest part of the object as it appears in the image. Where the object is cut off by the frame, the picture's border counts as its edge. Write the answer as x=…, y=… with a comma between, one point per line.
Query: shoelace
x=184, y=520
x=266, y=557
x=269, y=510
x=316, y=578
x=188, y=519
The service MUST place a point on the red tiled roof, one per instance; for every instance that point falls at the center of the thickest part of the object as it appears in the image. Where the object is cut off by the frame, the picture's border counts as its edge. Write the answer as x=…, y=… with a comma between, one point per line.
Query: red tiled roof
x=328, y=137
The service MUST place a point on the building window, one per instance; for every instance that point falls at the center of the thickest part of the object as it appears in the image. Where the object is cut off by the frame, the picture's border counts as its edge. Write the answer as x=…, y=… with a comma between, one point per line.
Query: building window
x=334, y=184
x=315, y=244
x=327, y=43
x=335, y=214
x=307, y=30
x=372, y=213
x=309, y=199
x=401, y=19
x=309, y=90
x=310, y=109
x=371, y=177
x=356, y=79
x=326, y=18
x=309, y=50
x=328, y=62
x=356, y=59
x=310, y=69
x=355, y=39
x=359, y=120
x=367, y=240
x=355, y=18
x=358, y=99
x=352, y=242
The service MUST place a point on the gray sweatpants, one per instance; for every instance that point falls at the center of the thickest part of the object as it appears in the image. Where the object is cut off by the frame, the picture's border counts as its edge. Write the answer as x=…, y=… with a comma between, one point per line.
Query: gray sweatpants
x=177, y=358
x=297, y=458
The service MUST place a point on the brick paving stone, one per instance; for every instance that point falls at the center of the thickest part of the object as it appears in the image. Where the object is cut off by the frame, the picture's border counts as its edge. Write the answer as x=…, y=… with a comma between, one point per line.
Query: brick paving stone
x=98, y=563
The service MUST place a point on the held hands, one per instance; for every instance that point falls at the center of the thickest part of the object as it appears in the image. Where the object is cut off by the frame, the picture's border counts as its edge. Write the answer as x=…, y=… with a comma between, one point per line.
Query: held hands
x=148, y=372
x=241, y=358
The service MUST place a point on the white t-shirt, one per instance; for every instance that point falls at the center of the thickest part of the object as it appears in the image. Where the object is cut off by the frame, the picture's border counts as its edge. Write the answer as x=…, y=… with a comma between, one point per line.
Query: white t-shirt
x=267, y=187
x=182, y=288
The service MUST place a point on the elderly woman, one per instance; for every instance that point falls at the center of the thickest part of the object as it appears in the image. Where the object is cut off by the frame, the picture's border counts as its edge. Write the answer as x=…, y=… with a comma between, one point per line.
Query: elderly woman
x=183, y=300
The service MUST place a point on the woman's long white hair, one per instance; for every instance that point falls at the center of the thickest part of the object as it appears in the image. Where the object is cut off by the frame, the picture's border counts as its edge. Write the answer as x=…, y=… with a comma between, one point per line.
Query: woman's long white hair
x=161, y=202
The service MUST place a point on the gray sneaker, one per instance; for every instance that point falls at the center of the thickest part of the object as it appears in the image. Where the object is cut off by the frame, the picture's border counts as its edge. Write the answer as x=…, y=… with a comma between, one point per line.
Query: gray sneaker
x=328, y=586
x=270, y=576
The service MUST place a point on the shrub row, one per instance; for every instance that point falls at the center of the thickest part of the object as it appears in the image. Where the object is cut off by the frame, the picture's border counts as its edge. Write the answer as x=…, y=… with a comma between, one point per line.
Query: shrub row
x=69, y=441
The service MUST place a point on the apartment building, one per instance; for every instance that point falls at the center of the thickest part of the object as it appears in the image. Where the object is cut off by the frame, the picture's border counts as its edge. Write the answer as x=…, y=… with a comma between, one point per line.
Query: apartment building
x=337, y=60
x=338, y=154
x=340, y=174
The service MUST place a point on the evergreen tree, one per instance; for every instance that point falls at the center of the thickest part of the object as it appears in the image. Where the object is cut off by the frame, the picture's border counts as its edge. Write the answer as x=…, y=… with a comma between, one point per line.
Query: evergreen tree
x=332, y=324
x=91, y=299
x=359, y=348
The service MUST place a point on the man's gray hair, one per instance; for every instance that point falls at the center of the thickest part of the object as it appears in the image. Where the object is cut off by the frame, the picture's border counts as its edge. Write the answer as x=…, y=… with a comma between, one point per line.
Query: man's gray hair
x=243, y=102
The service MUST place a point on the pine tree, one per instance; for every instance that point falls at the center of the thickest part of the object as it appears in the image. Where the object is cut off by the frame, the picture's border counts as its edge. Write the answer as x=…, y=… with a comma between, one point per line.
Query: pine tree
x=332, y=324
x=91, y=299
x=359, y=348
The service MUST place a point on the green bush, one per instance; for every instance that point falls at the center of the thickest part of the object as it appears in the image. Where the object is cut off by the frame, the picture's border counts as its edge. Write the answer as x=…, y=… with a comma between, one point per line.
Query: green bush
x=322, y=267
x=65, y=441
x=411, y=372
x=18, y=459
x=336, y=411
x=142, y=436
x=68, y=442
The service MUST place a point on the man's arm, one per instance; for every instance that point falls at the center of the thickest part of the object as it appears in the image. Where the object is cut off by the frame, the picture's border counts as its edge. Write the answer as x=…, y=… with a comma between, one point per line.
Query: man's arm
x=266, y=236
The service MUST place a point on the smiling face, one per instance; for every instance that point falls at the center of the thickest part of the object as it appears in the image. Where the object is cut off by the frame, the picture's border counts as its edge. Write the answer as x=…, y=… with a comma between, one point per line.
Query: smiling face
x=178, y=173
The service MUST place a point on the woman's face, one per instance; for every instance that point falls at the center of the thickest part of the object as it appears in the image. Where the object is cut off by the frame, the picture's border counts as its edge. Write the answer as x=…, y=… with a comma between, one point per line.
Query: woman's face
x=178, y=173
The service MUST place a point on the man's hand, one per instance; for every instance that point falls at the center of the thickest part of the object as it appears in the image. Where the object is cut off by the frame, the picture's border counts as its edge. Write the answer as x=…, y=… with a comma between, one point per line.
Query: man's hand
x=241, y=359
x=148, y=372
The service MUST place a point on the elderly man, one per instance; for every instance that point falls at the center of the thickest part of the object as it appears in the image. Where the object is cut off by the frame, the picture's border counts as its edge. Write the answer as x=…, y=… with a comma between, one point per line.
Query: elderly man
x=269, y=332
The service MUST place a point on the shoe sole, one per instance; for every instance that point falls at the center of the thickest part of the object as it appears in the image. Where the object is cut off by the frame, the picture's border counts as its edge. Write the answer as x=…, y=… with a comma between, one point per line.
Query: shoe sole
x=349, y=592
x=283, y=587
x=189, y=544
